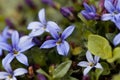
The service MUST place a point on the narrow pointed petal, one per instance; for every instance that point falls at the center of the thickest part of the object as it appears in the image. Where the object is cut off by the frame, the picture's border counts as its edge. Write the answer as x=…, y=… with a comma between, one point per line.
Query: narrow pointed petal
x=22, y=59
x=6, y=62
x=37, y=32
x=98, y=65
x=5, y=46
x=20, y=71
x=63, y=48
x=96, y=59
x=15, y=39
x=53, y=32
x=35, y=25
x=25, y=43
x=87, y=7
x=86, y=70
x=48, y=44
x=93, y=9
x=42, y=16
x=52, y=24
x=5, y=32
x=1, y=52
x=3, y=75
x=86, y=14
x=116, y=39
x=67, y=32
x=106, y=17
x=83, y=64
x=118, y=5
x=89, y=57
x=109, y=6
x=117, y=23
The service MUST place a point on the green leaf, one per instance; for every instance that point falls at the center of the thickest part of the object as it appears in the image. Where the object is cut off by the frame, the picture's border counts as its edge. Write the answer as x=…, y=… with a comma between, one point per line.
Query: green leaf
x=106, y=69
x=44, y=73
x=62, y=69
x=99, y=46
x=83, y=19
x=116, y=77
x=116, y=55
x=98, y=72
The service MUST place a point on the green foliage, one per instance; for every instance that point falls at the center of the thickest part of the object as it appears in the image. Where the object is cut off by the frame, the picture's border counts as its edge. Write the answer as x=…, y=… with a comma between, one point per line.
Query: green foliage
x=99, y=46
x=61, y=69
x=106, y=69
x=58, y=72
x=116, y=55
x=116, y=77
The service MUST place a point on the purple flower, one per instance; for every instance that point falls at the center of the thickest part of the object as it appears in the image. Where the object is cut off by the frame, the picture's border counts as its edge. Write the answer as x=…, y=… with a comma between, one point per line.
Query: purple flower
x=19, y=45
x=59, y=41
x=48, y=2
x=67, y=12
x=92, y=62
x=89, y=12
x=114, y=12
x=11, y=75
x=116, y=39
x=39, y=28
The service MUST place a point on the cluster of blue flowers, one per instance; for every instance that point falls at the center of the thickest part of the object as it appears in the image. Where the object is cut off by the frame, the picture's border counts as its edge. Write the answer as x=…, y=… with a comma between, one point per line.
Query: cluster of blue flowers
x=21, y=44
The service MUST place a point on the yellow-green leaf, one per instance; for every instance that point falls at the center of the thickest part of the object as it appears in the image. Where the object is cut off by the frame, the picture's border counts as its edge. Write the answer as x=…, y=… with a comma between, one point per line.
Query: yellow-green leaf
x=99, y=46
x=116, y=77
x=116, y=55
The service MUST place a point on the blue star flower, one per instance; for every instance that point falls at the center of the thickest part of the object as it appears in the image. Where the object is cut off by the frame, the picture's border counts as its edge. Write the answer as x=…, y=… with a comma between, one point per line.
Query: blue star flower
x=90, y=64
x=59, y=41
x=11, y=75
x=89, y=12
x=19, y=45
x=114, y=12
x=39, y=28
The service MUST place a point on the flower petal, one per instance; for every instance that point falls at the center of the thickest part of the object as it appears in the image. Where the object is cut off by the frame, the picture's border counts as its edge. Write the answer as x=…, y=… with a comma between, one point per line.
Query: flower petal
x=35, y=25
x=109, y=6
x=86, y=14
x=52, y=24
x=63, y=48
x=22, y=59
x=89, y=57
x=48, y=44
x=3, y=75
x=1, y=52
x=83, y=64
x=36, y=32
x=118, y=5
x=116, y=39
x=5, y=32
x=5, y=46
x=42, y=16
x=15, y=39
x=106, y=17
x=20, y=71
x=87, y=7
x=6, y=62
x=53, y=32
x=25, y=43
x=96, y=59
x=98, y=65
x=86, y=70
x=67, y=32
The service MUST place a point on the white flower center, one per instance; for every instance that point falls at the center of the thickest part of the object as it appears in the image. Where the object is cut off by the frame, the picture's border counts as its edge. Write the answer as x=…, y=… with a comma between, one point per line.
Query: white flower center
x=91, y=64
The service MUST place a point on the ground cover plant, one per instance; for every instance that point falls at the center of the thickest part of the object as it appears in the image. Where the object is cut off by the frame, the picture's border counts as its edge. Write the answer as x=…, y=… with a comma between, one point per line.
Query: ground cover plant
x=60, y=40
